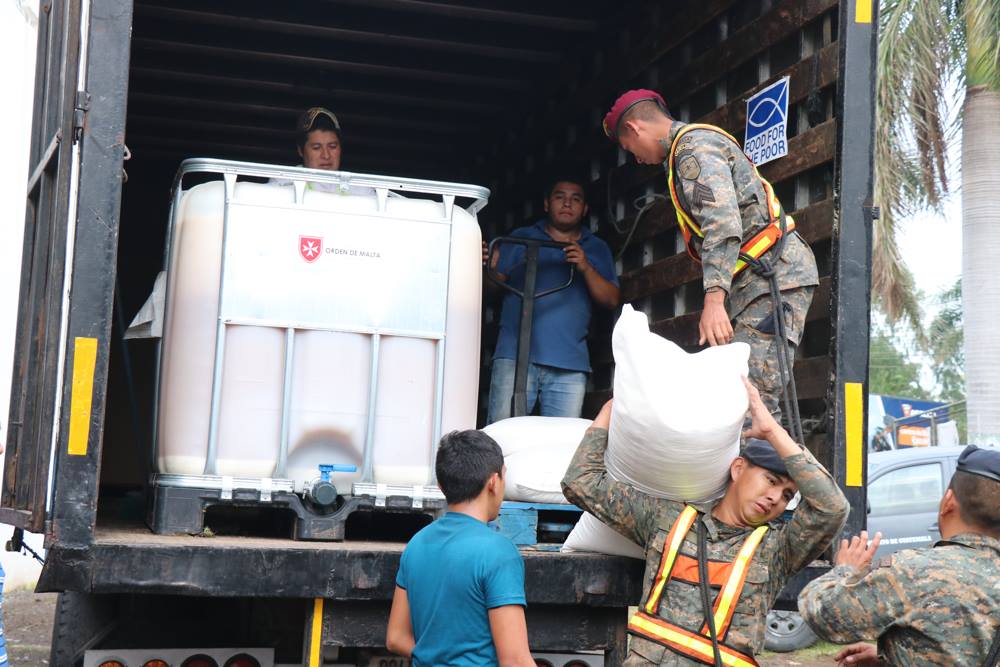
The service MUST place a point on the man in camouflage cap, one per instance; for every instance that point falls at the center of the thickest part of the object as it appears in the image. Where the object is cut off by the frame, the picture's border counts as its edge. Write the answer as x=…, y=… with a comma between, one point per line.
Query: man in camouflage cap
x=934, y=606
x=734, y=225
x=736, y=544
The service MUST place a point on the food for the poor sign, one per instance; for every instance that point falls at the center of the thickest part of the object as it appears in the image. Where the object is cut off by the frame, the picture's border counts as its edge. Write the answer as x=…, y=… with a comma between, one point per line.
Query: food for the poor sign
x=767, y=123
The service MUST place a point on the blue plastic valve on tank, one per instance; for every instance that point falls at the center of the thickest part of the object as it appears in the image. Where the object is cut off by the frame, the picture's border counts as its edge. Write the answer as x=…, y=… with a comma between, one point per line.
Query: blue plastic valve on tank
x=322, y=491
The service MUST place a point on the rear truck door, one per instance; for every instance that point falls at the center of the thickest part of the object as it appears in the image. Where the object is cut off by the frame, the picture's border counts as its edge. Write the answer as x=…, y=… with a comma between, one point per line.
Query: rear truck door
x=56, y=413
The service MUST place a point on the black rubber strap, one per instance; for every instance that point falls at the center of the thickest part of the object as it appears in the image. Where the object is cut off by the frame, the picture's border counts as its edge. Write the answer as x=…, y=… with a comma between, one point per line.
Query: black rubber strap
x=704, y=585
x=993, y=656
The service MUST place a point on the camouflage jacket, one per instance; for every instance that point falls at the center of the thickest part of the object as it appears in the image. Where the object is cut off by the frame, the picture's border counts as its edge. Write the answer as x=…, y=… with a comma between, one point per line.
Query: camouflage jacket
x=936, y=606
x=646, y=520
x=721, y=191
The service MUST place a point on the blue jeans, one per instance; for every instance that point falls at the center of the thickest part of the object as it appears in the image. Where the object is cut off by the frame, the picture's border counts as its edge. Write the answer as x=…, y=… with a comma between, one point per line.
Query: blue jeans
x=558, y=392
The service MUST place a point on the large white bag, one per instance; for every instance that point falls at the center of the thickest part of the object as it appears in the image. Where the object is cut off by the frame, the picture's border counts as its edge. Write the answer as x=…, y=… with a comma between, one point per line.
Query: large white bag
x=589, y=534
x=537, y=451
x=675, y=425
x=676, y=422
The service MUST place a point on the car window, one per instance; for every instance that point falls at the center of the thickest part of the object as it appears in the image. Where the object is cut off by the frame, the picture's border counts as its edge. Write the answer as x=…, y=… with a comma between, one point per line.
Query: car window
x=916, y=488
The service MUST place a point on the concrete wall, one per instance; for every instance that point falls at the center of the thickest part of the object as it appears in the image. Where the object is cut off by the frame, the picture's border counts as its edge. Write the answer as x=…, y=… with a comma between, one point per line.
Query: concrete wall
x=18, y=29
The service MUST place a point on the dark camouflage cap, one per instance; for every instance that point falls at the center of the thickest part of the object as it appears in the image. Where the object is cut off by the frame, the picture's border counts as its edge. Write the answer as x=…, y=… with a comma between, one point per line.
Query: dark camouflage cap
x=761, y=453
x=982, y=462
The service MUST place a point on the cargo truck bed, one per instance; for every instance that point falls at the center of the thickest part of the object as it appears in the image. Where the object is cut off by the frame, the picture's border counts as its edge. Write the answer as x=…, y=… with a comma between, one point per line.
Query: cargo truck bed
x=128, y=558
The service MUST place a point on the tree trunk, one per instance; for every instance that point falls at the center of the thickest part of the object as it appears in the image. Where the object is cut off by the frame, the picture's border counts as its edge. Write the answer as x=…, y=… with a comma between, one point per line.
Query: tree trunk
x=981, y=261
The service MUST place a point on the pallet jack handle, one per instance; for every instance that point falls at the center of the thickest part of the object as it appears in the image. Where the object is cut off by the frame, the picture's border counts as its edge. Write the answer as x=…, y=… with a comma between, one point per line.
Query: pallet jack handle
x=528, y=296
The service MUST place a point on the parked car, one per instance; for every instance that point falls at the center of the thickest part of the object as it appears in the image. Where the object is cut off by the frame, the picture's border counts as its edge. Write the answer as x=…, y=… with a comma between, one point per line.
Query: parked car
x=904, y=489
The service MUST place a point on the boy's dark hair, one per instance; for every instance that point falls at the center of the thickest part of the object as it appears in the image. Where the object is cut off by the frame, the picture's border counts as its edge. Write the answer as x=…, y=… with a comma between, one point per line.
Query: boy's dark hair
x=978, y=501
x=465, y=462
x=566, y=175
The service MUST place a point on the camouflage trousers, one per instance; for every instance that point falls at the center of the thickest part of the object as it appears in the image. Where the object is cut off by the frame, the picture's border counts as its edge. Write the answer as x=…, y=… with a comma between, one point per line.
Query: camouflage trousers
x=765, y=371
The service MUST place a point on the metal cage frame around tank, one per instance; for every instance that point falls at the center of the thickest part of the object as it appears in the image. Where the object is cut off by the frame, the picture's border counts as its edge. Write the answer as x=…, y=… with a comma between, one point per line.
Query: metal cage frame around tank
x=385, y=187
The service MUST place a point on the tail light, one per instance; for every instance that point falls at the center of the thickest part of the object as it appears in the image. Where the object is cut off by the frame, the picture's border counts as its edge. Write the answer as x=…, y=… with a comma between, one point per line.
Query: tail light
x=242, y=660
x=200, y=660
x=112, y=663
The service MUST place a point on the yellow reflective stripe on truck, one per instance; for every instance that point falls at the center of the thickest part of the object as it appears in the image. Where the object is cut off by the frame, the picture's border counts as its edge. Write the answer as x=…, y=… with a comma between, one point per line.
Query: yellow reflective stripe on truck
x=316, y=633
x=82, y=397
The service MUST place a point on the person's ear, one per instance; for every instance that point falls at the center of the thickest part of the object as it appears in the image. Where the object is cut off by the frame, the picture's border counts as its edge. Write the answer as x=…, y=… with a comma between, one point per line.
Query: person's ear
x=631, y=127
x=737, y=468
x=586, y=208
x=949, y=504
x=299, y=149
x=545, y=202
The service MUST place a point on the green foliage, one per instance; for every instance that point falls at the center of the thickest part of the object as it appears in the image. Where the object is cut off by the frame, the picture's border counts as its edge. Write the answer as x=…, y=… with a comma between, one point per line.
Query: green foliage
x=890, y=371
x=896, y=359
x=947, y=343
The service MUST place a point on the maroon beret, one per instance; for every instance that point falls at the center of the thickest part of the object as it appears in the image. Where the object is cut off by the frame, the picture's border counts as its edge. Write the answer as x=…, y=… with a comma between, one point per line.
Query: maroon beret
x=626, y=102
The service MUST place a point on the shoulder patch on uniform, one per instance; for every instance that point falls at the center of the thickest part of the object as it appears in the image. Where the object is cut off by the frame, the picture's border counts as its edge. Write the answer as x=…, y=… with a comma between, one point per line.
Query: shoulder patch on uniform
x=688, y=167
x=702, y=195
x=884, y=561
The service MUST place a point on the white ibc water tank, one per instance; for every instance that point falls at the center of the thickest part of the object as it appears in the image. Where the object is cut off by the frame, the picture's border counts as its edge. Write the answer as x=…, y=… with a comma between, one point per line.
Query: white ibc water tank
x=334, y=269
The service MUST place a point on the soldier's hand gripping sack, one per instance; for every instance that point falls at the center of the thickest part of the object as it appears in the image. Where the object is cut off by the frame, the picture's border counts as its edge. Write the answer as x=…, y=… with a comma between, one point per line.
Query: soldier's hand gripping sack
x=677, y=417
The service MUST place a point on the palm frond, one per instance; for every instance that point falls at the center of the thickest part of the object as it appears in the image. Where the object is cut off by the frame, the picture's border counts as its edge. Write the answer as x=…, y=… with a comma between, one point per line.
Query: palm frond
x=919, y=57
x=893, y=287
x=982, y=40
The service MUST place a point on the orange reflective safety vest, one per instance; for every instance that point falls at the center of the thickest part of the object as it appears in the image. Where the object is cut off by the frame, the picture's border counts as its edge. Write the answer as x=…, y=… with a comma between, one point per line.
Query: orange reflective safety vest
x=753, y=248
x=729, y=577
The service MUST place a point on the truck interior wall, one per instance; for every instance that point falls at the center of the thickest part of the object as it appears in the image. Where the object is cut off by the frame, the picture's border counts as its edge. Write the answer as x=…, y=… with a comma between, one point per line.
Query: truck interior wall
x=486, y=92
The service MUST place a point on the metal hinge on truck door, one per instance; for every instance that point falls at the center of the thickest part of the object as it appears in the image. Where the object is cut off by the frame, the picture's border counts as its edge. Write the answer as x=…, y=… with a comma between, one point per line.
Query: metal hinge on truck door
x=81, y=105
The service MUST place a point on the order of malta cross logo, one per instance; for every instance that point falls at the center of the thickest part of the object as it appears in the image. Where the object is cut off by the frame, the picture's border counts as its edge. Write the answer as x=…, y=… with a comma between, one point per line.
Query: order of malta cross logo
x=310, y=248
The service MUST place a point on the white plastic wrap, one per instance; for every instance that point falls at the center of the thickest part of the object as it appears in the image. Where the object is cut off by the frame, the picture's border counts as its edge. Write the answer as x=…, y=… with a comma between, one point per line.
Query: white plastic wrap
x=537, y=451
x=676, y=422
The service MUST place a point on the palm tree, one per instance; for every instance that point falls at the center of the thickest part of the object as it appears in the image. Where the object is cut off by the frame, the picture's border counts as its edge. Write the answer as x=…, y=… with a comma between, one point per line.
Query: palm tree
x=926, y=49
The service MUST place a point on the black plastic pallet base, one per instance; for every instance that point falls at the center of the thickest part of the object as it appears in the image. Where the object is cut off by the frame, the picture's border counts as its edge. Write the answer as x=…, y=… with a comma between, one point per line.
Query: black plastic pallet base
x=181, y=510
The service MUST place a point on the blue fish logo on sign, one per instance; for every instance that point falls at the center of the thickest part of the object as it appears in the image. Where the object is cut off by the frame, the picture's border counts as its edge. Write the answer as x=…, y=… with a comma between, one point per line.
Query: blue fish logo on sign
x=767, y=123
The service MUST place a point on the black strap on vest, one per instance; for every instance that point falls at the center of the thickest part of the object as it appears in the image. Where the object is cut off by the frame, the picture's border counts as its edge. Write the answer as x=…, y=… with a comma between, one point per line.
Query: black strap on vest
x=704, y=584
x=994, y=655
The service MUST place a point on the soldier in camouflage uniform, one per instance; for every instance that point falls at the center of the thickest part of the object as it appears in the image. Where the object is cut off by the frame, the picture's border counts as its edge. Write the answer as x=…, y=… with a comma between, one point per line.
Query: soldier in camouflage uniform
x=764, y=478
x=935, y=606
x=729, y=206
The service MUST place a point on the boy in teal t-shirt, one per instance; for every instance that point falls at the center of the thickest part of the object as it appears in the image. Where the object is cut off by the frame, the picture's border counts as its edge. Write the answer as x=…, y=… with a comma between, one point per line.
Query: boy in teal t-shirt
x=459, y=597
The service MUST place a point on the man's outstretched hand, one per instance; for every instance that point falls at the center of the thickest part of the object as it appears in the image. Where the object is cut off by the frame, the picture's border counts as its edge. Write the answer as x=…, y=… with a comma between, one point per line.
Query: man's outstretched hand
x=858, y=553
x=858, y=655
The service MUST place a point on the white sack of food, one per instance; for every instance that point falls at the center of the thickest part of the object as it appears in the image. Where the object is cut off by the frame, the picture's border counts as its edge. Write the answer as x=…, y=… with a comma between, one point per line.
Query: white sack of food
x=677, y=417
x=518, y=434
x=535, y=476
x=589, y=534
x=537, y=451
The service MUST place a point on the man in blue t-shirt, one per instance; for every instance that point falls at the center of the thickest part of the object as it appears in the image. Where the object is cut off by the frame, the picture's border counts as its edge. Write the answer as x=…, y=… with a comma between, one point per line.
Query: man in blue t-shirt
x=459, y=597
x=558, y=361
